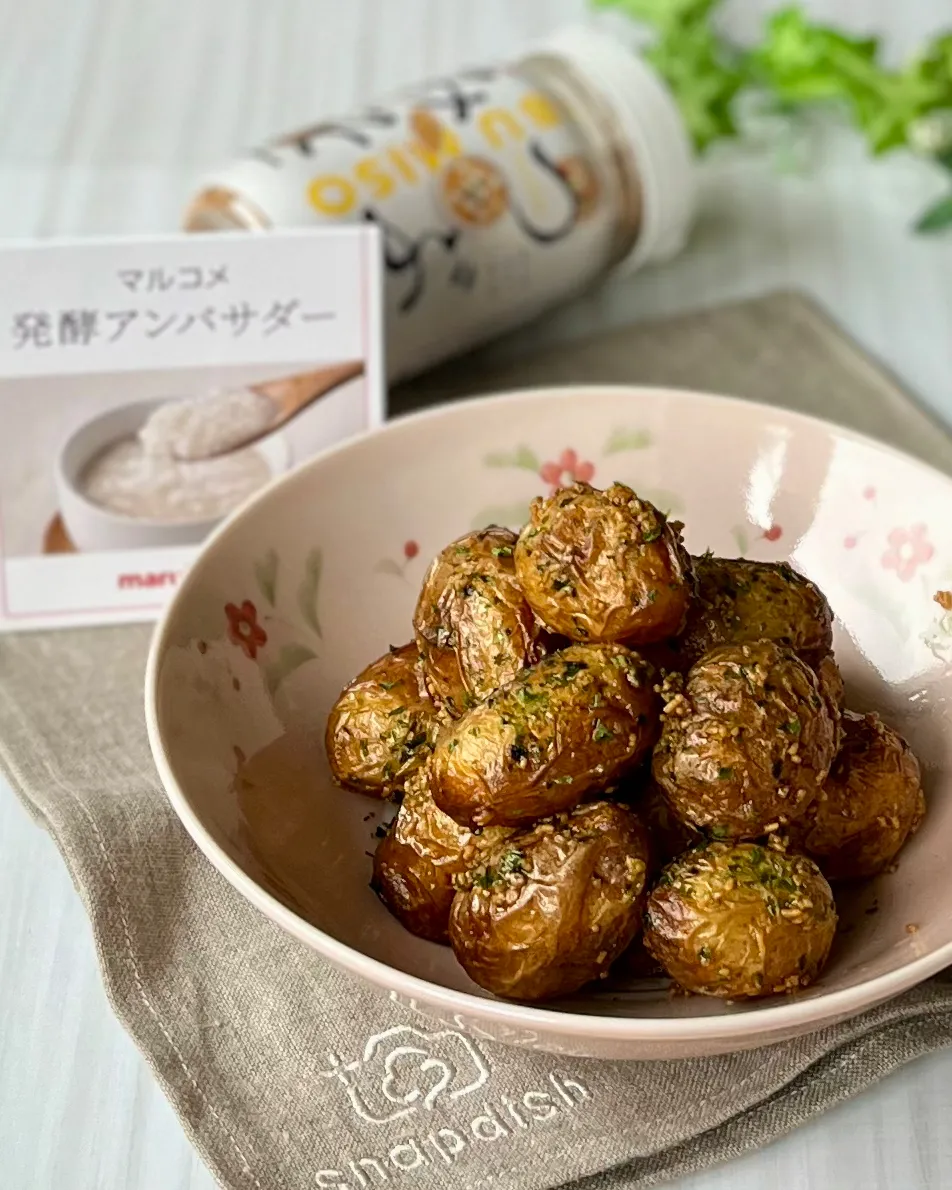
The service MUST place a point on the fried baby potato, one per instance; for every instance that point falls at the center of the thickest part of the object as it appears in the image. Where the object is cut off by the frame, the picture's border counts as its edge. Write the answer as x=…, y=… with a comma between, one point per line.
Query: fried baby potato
x=382, y=726
x=604, y=566
x=571, y=725
x=746, y=741
x=870, y=805
x=833, y=693
x=738, y=920
x=420, y=859
x=474, y=629
x=739, y=602
x=555, y=905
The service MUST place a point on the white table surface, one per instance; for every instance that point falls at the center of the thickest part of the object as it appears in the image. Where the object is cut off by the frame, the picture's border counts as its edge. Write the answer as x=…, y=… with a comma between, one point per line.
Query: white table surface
x=108, y=109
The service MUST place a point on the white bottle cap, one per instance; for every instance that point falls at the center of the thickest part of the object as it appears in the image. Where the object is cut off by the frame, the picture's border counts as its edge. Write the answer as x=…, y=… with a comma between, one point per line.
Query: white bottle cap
x=650, y=120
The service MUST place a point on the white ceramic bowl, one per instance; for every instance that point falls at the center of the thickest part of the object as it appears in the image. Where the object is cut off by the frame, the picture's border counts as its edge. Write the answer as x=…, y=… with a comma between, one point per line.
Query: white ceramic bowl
x=92, y=527
x=318, y=574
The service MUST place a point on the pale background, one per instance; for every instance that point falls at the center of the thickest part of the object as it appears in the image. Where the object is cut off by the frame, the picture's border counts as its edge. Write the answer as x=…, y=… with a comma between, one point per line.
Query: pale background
x=108, y=109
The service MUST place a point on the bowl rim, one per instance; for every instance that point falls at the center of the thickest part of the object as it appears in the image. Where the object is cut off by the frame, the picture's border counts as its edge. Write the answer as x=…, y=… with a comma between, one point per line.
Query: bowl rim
x=794, y=1014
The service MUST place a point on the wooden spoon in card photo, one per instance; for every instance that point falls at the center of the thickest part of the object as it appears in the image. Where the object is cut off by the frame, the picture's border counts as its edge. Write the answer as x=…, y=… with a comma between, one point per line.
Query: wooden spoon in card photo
x=288, y=397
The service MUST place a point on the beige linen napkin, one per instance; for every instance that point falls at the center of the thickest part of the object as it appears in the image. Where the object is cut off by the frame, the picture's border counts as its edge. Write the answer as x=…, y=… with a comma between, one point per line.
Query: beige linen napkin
x=288, y=1074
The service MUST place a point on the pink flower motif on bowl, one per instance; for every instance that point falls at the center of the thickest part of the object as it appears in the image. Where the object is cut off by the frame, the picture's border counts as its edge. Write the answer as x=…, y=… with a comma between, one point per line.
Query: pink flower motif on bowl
x=567, y=469
x=908, y=550
x=244, y=629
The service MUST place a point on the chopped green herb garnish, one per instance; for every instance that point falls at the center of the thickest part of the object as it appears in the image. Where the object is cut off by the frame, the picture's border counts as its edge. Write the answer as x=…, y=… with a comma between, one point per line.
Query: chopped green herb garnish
x=389, y=685
x=396, y=711
x=724, y=773
x=566, y=780
x=720, y=832
x=652, y=596
x=601, y=732
x=560, y=584
x=704, y=954
x=452, y=745
x=652, y=534
x=513, y=861
x=792, y=727
x=502, y=551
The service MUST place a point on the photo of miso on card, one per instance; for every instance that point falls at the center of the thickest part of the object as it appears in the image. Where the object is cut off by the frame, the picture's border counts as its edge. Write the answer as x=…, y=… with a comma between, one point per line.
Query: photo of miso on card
x=149, y=387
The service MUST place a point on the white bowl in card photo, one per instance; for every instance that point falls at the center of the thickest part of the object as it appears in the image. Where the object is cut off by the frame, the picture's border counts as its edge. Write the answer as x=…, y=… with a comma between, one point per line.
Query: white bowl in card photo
x=189, y=509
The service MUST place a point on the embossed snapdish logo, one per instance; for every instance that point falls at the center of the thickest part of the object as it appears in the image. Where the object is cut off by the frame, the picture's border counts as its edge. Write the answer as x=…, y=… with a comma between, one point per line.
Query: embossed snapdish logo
x=405, y=1069
x=406, y=1074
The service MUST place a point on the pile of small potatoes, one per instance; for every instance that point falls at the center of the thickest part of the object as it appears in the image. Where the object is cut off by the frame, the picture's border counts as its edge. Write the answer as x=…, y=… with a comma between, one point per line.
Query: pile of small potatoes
x=606, y=749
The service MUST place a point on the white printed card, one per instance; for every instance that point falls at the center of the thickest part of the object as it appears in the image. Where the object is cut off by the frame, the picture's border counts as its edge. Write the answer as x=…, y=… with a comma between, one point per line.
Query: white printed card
x=150, y=386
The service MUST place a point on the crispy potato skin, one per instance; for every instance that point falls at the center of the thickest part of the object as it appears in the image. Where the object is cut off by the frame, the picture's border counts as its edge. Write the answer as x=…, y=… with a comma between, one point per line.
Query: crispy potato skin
x=738, y=920
x=740, y=601
x=833, y=693
x=418, y=861
x=572, y=724
x=555, y=905
x=747, y=744
x=604, y=566
x=382, y=726
x=473, y=627
x=871, y=803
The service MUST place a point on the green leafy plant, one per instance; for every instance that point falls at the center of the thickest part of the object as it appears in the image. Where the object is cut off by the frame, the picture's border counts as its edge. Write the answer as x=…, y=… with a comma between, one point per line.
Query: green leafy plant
x=800, y=64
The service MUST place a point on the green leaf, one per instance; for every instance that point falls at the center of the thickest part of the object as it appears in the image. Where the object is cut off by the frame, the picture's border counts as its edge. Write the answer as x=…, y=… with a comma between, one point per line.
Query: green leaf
x=307, y=591
x=522, y=457
x=388, y=566
x=662, y=14
x=804, y=63
x=704, y=78
x=798, y=63
x=937, y=218
x=266, y=575
x=739, y=534
x=291, y=658
x=513, y=516
x=623, y=439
